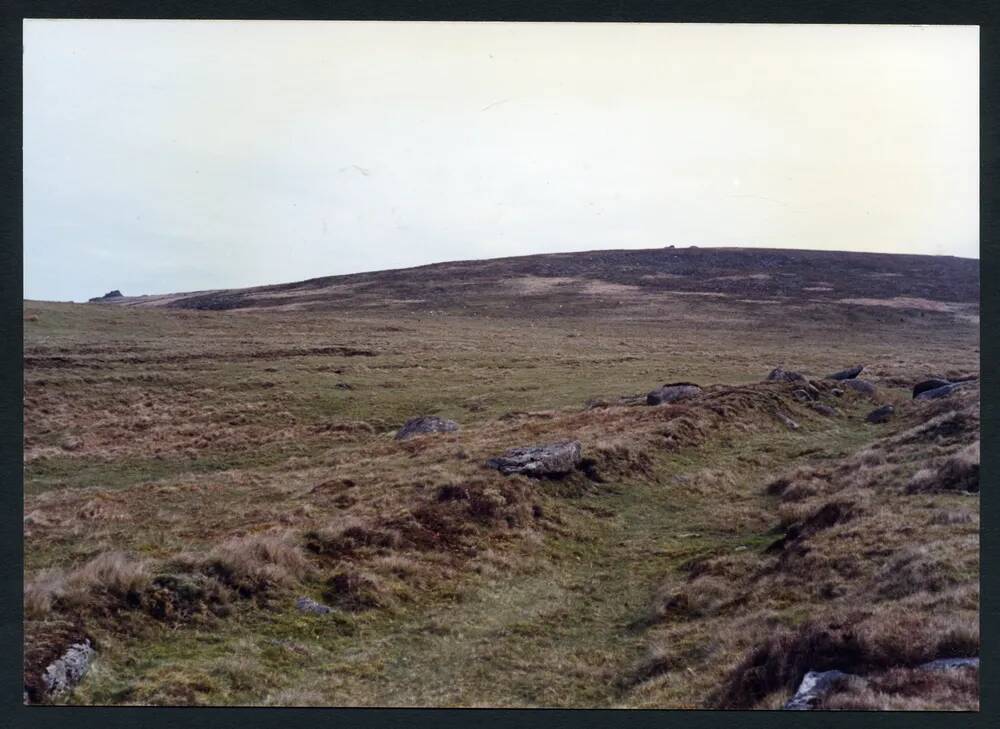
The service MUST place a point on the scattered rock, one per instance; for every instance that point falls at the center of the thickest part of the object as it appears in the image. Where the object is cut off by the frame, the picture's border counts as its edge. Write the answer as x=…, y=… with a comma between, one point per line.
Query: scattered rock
x=931, y=384
x=881, y=415
x=344, y=386
x=780, y=375
x=673, y=392
x=116, y=294
x=71, y=443
x=848, y=374
x=791, y=424
x=66, y=672
x=308, y=605
x=823, y=409
x=553, y=459
x=945, y=664
x=425, y=424
x=837, y=392
x=861, y=386
x=815, y=686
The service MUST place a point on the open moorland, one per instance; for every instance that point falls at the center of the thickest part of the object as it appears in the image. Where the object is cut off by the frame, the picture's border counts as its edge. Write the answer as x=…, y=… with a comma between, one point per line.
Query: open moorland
x=217, y=509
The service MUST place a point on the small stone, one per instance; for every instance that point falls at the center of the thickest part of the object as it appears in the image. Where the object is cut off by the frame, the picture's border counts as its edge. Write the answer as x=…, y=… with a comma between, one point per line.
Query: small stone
x=71, y=443
x=815, y=686
x=308, y=605
x=881, y=415
x=780, y=375
x=791, y=424
x=824, y=409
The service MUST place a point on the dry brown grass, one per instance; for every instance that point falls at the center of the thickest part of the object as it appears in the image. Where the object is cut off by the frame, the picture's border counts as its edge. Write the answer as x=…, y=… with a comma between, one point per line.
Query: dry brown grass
x=108, y=577
x=908, y=689
x=848, y=562
x=221, y=451
x=959, y=472
x=256, y=564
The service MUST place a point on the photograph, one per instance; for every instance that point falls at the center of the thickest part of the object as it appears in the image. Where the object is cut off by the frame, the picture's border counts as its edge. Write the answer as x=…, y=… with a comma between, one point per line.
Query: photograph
x=500, y=365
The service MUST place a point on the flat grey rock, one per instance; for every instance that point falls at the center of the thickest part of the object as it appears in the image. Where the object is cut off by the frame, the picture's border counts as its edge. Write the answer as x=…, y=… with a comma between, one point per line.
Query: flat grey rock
x=673, y=392
x=552, y=459
x=943, y=391
x=425, y=424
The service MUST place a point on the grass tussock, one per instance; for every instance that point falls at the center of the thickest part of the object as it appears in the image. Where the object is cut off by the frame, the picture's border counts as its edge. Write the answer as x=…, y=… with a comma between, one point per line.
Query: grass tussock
x=909, y=689
x=256, y=564
x=959, y=472
x=98, y=584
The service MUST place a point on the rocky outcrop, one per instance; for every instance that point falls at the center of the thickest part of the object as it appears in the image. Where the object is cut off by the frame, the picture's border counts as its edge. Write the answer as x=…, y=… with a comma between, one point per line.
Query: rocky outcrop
x=425, y=424
x=673, y=392
x=552, y=459
x=116, y=294
x=848, y=374
x=881, y=415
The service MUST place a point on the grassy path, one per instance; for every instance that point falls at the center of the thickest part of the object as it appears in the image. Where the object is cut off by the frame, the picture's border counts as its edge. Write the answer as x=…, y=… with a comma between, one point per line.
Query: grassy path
x=556, y=630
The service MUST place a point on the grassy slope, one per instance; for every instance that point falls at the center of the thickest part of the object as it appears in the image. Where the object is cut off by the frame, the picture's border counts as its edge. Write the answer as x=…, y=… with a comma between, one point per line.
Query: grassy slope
x=196, y=427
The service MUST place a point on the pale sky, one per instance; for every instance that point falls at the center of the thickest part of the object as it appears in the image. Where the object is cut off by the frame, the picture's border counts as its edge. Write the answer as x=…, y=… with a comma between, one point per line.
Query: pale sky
x=165, y=156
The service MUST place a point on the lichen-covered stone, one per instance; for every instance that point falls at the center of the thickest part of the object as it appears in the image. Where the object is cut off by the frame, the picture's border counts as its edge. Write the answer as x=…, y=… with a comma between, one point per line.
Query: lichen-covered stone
x=425, y=424
x=553, y=459
x=66, y=672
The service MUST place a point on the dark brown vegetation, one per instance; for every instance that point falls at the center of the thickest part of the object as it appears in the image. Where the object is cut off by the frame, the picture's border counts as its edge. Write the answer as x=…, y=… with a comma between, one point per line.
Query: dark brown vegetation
x=190, y=474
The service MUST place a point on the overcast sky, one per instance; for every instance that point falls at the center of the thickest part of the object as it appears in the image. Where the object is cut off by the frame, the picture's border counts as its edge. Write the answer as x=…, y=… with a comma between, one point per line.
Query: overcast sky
x=165, y=156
